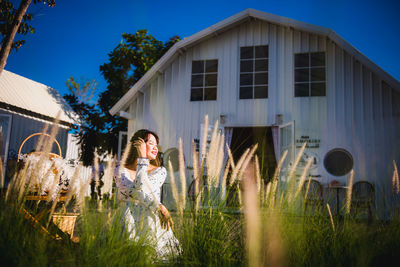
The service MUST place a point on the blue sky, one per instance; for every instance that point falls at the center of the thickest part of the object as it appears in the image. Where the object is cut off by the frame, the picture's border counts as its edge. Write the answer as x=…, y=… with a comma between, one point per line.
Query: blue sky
x=75, y=37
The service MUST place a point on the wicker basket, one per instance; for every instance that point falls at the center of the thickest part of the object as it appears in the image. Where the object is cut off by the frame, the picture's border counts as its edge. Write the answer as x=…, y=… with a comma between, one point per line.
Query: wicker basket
x=65, y=221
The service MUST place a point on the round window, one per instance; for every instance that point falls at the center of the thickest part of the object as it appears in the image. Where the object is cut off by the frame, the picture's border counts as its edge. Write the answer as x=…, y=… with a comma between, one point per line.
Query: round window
x=338, y=162
x=171, y=154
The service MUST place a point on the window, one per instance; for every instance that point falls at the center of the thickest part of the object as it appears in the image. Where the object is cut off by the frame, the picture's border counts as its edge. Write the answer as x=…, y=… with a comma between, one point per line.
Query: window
x=253, y=72
x=338, y=162
x=171, y=155
x=204, y=80
x=309, y=74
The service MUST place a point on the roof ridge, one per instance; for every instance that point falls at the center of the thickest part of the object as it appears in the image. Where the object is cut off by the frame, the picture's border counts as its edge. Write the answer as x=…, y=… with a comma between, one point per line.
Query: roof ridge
x=231, y=22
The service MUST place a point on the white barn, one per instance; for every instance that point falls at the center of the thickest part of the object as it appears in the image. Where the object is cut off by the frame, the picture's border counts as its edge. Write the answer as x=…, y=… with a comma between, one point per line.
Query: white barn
x=275, y=79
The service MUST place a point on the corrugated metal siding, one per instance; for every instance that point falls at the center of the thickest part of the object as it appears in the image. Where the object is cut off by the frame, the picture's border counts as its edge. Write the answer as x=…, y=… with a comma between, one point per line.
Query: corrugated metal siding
x=355, y=114
x=24, y=93
x=22, y=127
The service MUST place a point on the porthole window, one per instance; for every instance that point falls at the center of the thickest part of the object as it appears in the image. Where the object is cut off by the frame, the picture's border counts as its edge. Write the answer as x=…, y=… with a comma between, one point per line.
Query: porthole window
x=338, y=162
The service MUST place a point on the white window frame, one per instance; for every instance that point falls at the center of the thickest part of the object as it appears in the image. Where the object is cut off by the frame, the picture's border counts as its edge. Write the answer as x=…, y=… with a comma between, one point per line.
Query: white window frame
x=254, y=72
x=309, y=82
x=291, y=146
x=203, y=74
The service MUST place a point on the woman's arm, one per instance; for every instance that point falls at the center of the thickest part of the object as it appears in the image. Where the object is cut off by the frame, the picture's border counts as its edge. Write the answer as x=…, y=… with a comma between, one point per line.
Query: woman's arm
x=147, y=196
x=142, y=185
x=125, y=185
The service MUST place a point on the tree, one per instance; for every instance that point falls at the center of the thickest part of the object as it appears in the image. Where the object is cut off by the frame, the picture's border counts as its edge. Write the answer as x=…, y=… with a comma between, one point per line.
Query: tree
x=12, y=22
x=80, y=98
x=128, y=62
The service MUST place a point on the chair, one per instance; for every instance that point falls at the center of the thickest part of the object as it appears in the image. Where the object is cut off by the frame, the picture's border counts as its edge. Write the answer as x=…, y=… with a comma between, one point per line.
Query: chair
x=312, y=193
x=362, y=197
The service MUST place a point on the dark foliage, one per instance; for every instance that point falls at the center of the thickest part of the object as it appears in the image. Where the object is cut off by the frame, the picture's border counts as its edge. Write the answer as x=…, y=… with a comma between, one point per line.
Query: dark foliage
x=8, y=13
x=128, y=62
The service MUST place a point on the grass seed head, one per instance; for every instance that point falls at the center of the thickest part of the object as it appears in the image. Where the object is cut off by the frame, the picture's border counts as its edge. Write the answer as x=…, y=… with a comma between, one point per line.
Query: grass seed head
x=349, y=191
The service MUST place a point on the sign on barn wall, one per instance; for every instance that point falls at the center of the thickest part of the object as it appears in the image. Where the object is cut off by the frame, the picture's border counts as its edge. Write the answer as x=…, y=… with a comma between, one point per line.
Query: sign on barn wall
x=311, y=142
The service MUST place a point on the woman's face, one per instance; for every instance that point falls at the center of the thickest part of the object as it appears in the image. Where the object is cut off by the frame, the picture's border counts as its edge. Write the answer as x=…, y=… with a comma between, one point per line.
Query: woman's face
x=151, y=147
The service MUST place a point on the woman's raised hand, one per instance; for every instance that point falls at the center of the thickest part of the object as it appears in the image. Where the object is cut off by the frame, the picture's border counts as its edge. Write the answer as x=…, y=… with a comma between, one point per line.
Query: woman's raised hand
x=140, y=146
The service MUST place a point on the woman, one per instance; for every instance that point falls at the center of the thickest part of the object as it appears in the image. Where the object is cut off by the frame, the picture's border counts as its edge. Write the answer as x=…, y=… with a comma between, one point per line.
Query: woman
x=139, y=185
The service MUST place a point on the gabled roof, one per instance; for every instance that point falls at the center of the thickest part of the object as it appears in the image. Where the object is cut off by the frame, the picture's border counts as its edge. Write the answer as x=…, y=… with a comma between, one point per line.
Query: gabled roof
x=233, y=21
x=22, y=95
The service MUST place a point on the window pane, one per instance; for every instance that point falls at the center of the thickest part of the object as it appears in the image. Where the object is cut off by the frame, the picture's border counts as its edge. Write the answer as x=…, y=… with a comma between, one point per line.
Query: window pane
x=318, y=89
x=262, y=51
x=261, y=65
x=301, y=75
x=210, y=93
x=338, y=162
x=197, y=80
x=246, y=66
x=211, y=79
x=317, y=74
x=301, y=89
x=246, y=79
x=246, y=92
x=301, y=60
x=196, y=94
x=318, y=59
x=246, y=52
x=261, y=92
x=212, y=65
x=261, y=78
x=198, y=66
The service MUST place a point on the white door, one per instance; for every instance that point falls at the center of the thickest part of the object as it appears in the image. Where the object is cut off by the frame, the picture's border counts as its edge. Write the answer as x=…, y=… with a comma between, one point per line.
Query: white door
x=5, y=129
x=286, y=142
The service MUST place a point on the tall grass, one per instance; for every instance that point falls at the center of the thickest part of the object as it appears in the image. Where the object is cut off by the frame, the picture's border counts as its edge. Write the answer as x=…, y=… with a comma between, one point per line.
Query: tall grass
x=272, y=227
x=235, y=218
x=29, y=236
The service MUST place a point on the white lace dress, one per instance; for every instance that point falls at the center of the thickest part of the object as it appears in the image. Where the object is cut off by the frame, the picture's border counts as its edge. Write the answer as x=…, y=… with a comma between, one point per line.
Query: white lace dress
x=142, y=198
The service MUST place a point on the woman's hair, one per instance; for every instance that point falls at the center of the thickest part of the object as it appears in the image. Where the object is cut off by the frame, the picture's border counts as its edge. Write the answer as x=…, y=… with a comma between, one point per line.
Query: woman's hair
x=131, y=158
